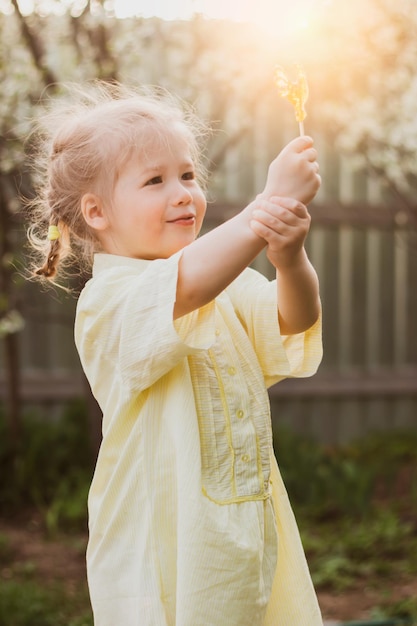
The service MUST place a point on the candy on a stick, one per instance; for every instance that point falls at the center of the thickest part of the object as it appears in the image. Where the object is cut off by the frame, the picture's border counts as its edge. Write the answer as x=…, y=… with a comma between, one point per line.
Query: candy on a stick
x=296, y=92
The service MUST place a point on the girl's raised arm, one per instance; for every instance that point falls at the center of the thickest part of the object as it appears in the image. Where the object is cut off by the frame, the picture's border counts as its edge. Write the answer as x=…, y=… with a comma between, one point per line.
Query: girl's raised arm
x=213, y=261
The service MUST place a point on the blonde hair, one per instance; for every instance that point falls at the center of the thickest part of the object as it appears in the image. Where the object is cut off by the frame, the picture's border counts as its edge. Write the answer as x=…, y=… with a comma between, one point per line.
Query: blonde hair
x=80, y=144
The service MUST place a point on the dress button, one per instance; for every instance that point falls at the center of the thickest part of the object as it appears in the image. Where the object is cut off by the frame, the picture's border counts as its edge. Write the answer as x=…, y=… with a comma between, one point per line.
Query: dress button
x=217, y=332
x=231, y=370
x=240, y=413
x=245, y=458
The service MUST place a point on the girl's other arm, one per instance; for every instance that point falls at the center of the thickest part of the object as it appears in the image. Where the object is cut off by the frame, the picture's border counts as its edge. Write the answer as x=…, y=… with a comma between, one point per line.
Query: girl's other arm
x=284, y=223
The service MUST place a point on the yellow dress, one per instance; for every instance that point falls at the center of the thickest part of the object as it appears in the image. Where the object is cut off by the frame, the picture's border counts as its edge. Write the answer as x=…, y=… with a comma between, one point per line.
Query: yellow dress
x=189, y=521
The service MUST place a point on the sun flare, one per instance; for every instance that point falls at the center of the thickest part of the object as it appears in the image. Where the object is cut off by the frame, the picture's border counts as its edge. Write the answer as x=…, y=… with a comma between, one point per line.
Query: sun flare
x=276, y=18
x=283, y=19
x=290, y=24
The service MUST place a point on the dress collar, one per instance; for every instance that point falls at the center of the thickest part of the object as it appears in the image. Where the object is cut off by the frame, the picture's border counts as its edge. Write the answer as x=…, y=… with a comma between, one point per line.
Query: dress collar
x=104, y=261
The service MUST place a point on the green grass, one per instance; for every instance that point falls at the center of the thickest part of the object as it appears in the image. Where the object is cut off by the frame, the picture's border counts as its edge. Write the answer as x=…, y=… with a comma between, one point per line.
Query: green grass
x=27, y=600
x=356, y=506
x=380, y=548
x=27, y=603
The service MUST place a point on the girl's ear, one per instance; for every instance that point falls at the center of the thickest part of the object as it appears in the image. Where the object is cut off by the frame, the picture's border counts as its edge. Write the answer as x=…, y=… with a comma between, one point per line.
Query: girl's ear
x=93, y=212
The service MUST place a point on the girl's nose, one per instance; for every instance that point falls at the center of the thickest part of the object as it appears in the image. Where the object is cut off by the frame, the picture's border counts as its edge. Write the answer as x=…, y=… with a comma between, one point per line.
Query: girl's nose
x=181, y=194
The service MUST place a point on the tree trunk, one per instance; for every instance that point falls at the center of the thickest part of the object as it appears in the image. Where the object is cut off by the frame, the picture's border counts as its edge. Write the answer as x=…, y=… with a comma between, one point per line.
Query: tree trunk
x=10, y=340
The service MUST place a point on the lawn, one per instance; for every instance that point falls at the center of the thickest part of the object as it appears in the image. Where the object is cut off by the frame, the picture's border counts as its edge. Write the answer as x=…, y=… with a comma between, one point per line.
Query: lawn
x=356, y=506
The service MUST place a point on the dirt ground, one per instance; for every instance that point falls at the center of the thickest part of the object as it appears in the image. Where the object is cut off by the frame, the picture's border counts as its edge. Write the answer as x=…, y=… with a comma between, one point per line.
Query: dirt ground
x=357, y=604
x=51, y=559
x=63, y=560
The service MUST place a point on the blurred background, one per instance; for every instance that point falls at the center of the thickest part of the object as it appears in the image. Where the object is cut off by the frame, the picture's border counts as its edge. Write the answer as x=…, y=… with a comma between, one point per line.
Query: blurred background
x=346, y=438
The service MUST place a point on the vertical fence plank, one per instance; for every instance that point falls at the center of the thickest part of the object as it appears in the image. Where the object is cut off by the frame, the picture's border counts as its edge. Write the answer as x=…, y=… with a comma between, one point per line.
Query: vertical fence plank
x=373, y=192
x=378, y=415
x=373, y=298
x=325, y=422
x=346, y=296
x=350, y=416
x=346, y=182
x=329, y=281
x=401, y=288
x=327, y=169
x=387, y=298
x=316, y=249
x=411, y=242
x=358, y=302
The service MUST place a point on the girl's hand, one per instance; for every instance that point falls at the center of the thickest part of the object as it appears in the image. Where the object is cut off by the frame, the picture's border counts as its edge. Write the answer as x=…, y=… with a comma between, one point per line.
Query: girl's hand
x=284, y=224
x=295, y=172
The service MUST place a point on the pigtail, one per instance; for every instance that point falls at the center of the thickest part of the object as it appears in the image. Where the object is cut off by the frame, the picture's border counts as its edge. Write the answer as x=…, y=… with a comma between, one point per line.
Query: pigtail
x=50, y=268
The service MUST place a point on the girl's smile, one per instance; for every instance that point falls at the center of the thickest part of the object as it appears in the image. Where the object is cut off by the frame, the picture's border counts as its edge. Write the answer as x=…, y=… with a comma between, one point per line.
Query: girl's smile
x=184, y=220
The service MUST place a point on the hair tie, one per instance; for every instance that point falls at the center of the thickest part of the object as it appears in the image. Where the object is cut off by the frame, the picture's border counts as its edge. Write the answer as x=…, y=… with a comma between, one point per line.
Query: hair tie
x=53, y=233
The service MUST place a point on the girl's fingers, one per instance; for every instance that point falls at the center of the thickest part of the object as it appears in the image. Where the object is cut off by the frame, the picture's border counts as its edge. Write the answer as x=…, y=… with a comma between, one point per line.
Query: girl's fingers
x=300, y=144
x=268, y=220
x=310, y=154
x=289, y=204
x=284, y=223
x=260, y=229
x=297, y=145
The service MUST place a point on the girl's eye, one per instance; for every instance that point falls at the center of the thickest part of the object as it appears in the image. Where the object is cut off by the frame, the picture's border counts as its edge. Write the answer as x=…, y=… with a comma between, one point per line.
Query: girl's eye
x=188, y=176
x=156, y=180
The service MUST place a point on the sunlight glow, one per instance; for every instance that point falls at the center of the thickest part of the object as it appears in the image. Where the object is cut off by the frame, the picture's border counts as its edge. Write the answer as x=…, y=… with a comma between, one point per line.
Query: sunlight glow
x=165, y=9
x=276, y=17
x=279, y=20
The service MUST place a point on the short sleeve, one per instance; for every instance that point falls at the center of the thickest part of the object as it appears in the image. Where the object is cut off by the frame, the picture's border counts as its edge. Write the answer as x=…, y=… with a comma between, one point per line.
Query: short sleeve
x=254, y=299
x=125, y=315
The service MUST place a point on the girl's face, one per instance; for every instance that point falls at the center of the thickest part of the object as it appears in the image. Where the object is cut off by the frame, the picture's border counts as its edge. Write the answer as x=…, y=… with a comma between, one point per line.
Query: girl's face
x=157, y=205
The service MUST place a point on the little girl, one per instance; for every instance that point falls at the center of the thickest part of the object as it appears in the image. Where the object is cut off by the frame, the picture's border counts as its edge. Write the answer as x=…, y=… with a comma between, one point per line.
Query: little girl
x=189, y=521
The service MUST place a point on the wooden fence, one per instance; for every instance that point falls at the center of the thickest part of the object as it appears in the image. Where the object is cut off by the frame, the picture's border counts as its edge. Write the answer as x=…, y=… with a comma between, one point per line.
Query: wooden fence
x=365, y=252
x=366, y=258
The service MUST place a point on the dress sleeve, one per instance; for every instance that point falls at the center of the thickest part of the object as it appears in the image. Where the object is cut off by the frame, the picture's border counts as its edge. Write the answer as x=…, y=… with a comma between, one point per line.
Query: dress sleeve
x=254, y=299
x=126, y=317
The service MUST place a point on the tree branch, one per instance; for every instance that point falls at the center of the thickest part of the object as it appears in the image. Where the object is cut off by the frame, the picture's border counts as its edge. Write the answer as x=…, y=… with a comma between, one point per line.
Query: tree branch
x=35, y=47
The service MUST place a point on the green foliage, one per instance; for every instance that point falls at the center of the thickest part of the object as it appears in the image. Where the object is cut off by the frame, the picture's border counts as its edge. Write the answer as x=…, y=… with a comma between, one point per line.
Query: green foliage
x=356, y=506
x=381, y=621
x=25, y=602
x=402, y=612
x=328, y=483
x=5, y=549
x=324, y=482
x=51, y=470
x=69, y=505
x=380, y=547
